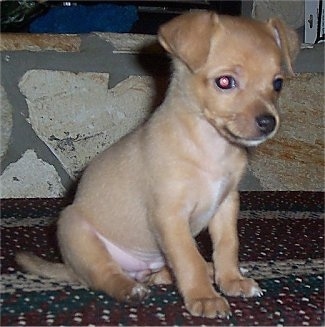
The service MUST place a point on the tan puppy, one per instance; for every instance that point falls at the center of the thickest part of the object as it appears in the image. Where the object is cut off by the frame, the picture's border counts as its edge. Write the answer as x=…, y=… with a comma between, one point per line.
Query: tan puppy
x=140, y=202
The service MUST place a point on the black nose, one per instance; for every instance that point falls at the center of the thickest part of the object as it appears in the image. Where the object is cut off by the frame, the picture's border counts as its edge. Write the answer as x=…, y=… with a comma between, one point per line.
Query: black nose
x=266, y=124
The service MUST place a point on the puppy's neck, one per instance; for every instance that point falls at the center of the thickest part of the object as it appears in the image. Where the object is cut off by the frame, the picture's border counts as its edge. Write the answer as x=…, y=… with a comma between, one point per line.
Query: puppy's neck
x=180, y=93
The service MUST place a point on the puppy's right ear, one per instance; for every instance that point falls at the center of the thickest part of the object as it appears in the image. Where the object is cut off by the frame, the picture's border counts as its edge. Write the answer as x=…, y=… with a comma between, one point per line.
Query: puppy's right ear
x=188, y=37
x=287, y=39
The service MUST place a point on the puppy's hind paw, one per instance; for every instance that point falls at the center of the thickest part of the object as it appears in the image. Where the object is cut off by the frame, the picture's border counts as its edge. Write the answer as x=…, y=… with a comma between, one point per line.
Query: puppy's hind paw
x=138, y=293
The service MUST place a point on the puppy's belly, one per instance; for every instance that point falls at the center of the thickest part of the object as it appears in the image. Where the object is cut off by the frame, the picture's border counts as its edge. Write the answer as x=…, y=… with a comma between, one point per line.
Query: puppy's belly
x=135, y=267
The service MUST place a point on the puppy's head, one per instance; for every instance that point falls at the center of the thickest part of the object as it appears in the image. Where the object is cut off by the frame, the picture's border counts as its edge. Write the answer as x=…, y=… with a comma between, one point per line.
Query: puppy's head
x=231, y=69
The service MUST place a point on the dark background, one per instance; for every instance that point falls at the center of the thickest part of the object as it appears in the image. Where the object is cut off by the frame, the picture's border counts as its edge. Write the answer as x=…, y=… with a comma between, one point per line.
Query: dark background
x=17, y=15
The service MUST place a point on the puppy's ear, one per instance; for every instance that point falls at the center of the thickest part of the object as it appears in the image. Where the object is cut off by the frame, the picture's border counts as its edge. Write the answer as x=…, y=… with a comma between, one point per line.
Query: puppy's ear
x=188, y=37
x=287, y=40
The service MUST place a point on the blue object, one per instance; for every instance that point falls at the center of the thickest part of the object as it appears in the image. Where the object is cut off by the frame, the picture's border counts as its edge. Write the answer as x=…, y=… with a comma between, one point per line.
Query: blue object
x=85, y=19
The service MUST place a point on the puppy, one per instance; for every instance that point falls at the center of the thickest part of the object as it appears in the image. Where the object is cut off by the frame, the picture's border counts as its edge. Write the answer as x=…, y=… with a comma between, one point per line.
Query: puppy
x=141, y=202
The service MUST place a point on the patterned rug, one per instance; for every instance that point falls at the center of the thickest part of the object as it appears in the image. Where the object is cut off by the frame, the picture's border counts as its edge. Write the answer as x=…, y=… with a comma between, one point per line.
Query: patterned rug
x=281, y=245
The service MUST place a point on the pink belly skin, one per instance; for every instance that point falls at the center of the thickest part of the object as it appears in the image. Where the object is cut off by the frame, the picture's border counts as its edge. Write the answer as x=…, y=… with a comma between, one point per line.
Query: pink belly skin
x=136, y=268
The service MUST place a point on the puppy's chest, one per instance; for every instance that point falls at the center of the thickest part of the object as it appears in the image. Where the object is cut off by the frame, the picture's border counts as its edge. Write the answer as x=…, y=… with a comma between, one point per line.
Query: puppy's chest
x=212, y=193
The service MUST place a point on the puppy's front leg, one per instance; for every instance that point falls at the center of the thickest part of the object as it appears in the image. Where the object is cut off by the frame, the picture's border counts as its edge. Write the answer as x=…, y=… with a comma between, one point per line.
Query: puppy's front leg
x=190, y=269
x=223, y=231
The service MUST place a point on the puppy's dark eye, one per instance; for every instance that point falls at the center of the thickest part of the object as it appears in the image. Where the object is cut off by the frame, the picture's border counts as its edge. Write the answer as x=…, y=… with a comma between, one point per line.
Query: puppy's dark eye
x=225, y=82
x=277, y=84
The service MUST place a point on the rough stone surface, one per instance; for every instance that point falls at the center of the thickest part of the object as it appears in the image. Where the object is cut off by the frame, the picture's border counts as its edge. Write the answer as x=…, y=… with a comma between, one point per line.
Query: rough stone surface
x=5, y=122
x=73, y=116
x=132, y=43
x=30, y=177
x=39, y=42
x=77, y=115
x=294, y=159
x=292, y=12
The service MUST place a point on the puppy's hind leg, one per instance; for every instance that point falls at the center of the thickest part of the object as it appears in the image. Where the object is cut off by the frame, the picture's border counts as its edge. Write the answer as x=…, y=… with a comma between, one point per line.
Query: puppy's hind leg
x=85, y=253
x=164, y=276
x=161, y=277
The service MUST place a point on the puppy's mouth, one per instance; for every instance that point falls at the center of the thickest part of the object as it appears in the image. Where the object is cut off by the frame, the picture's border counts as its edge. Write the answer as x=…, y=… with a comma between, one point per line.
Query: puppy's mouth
x=247, y=142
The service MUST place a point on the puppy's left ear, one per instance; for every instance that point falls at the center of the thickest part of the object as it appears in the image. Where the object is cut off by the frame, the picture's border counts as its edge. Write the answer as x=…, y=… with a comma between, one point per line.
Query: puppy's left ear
x=188, y=36
x=287, y=39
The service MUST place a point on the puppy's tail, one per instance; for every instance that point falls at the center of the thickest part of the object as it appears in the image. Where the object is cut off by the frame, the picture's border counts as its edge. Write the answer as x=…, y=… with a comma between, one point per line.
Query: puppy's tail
x=37, y=266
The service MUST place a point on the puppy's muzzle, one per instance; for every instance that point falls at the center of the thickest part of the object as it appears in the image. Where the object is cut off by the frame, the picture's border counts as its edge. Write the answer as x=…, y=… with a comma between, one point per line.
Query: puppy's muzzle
x=253, y=131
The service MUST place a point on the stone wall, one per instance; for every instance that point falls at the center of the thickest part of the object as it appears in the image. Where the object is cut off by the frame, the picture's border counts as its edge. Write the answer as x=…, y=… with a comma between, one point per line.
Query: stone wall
x=65, y=98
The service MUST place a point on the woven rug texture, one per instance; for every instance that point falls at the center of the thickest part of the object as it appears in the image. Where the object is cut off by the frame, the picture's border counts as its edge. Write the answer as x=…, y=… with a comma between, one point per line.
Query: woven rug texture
x=281, y=246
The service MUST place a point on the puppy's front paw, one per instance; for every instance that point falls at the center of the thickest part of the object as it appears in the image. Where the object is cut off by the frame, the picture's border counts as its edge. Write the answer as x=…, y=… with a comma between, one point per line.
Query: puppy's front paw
x=208, y=307
x=246, y=287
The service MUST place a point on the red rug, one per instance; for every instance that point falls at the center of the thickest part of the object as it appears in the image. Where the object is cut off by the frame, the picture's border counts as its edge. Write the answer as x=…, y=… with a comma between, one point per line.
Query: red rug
x=282, y=246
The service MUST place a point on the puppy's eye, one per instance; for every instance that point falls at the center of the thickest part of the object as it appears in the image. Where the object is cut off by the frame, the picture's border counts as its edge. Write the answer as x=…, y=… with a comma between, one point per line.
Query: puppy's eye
x=277, y=84
x=225, y=82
